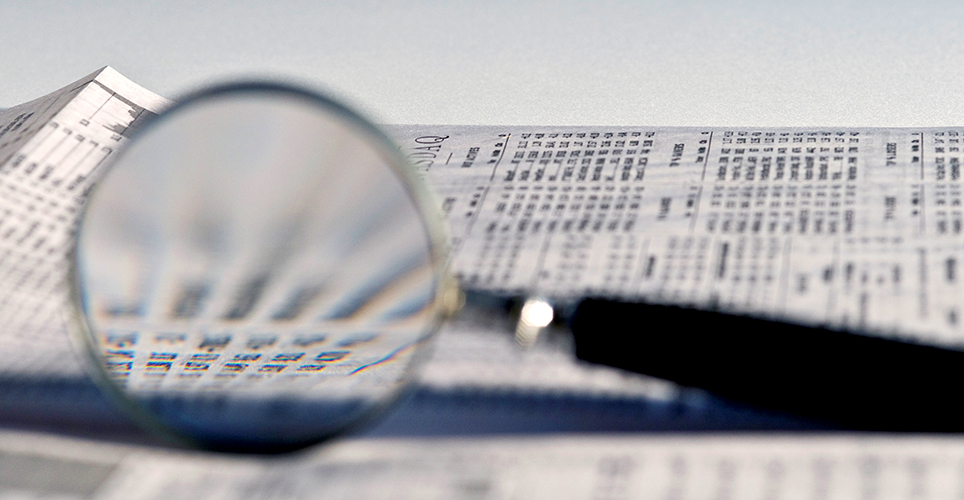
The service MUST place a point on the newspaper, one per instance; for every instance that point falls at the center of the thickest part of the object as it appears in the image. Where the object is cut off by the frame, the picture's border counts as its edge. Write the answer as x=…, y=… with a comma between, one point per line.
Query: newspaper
x=51, y=150
x=844, y=227
x=574, y=467
x=849, y=228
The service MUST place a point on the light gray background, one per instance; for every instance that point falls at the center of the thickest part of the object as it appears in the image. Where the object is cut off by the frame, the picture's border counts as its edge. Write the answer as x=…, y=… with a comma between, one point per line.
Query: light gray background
x=580, y=62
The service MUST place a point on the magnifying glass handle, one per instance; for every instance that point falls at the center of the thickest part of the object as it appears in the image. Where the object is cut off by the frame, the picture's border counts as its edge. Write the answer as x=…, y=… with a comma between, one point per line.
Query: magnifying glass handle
x=842, y=378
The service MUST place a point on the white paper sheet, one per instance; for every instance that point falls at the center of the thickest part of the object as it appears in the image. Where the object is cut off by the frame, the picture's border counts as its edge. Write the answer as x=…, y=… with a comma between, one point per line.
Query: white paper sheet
x=851, y=228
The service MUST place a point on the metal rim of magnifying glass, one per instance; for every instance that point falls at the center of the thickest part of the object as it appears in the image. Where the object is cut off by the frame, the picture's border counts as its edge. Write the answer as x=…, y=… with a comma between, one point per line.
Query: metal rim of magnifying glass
x=446, y=300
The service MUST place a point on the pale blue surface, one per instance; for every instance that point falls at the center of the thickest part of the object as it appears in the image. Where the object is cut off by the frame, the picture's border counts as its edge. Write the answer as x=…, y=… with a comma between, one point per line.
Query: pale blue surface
x=581, y=62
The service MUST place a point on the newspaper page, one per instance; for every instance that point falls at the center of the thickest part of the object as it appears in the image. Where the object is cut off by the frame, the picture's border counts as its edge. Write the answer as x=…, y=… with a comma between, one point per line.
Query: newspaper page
x=34, y=466
x=51, y=151
x=849, y=228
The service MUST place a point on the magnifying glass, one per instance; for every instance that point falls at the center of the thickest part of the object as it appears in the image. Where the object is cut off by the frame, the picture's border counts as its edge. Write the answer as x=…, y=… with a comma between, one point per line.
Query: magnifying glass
x=261, y=270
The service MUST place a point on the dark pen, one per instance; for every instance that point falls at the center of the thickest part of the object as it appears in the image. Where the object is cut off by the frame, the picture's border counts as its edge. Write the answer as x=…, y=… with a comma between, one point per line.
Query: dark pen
x=847, y=379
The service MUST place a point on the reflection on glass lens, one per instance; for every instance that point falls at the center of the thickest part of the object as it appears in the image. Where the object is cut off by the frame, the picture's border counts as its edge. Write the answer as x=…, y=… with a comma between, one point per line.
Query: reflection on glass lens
x=256, y=271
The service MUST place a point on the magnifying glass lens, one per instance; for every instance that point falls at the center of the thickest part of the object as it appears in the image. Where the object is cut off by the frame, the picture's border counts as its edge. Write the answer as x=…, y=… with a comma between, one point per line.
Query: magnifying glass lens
x=256, y=272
